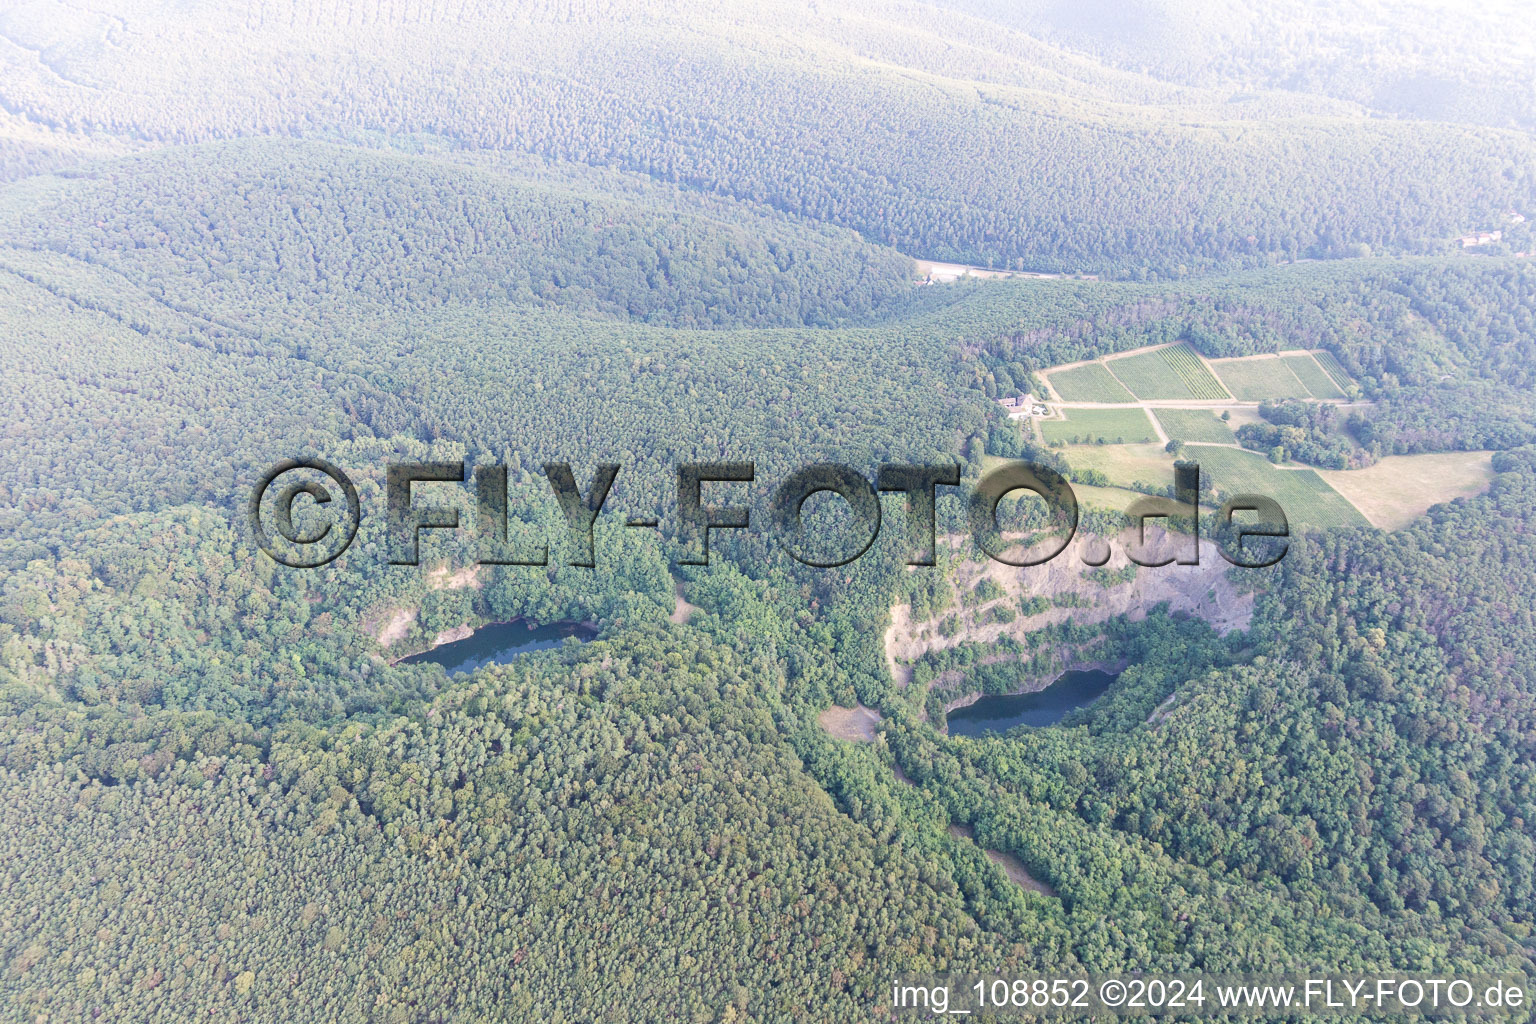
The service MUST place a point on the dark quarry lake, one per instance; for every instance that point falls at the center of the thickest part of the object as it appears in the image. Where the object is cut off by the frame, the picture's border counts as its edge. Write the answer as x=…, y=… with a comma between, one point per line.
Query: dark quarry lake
x=1043, y=707
x=498, y=643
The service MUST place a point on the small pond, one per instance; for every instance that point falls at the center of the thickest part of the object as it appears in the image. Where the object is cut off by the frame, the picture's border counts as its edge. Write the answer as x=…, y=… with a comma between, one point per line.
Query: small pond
x=1043, y=707
x=498, y=643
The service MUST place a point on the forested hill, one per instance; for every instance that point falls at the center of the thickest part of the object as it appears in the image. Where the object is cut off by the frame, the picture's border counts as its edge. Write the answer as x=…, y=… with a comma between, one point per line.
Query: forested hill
x=1402, y=59
x=242, y=228
x=970, y=141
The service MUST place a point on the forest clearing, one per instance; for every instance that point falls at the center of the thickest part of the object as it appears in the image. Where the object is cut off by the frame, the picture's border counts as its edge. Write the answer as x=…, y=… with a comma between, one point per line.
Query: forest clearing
x=1400, y=488
x=1098, y=420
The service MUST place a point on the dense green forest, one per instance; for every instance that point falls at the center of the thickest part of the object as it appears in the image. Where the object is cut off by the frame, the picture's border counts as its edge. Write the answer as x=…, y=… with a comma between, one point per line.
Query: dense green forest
x=939, y=134
x=1316, y=434
x=411, y=234
x=453, y=234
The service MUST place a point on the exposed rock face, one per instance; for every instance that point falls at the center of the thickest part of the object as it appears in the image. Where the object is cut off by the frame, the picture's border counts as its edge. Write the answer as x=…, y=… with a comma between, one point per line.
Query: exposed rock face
x=398, y=625
x=448, y=636
x=469, y=576
x=1210, y=590
x=398, y=621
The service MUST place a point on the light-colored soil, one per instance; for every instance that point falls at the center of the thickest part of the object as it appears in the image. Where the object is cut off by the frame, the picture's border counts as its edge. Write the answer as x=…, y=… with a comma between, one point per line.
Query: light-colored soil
x=1011, y=865
x=896, y=635
x=398, y=625
x=855, y=724
x=469, y=576
x=1161, y=711
x=945, y=272
x=1208, y=590
x=1241, y=414
x=1400, y=488
x=683, y=611
x=448, y=636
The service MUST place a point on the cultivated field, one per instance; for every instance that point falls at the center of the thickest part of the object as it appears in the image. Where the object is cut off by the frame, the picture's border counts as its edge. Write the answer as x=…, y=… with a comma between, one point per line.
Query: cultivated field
x=1327, y=361
x=1257, y=378
x=1122, y=443
x=1400, y=488
x=1167, y=374
x=1312, y=376
x=1187, y=364
x=1194, y=425
x=1112, y=426
x=1125, y=464
x=1088, y=383
x=1303, y=494
x=1113, y=499
x=1296, y=375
